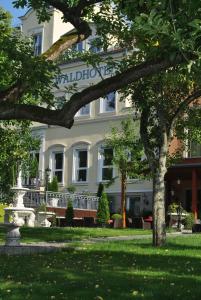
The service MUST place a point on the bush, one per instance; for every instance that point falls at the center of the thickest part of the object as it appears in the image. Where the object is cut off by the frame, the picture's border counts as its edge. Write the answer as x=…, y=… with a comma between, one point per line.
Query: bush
x=175, y=208
x=41, y=207
x=100, y=190
x=71, y=189
x=189, y=221
x=103, y=213
x=53, y=185
x=69, y=214
x=54, y=221
x=116, y=217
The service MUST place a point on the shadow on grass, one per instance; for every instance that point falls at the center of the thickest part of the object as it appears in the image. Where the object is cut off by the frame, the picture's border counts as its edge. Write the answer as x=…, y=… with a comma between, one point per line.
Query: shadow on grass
x=63, y=234
x=125, y=270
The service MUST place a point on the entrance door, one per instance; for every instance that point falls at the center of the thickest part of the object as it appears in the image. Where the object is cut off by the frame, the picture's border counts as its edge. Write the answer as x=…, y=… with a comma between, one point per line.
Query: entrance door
x=134, y=205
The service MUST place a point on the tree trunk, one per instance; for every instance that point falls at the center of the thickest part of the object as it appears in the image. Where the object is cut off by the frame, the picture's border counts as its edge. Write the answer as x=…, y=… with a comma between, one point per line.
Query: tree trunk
x=159, y=233
x=123, y=200
x=159, y=226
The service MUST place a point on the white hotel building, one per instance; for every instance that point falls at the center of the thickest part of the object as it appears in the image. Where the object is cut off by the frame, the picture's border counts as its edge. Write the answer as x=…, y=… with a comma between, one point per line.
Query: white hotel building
x=76, y=156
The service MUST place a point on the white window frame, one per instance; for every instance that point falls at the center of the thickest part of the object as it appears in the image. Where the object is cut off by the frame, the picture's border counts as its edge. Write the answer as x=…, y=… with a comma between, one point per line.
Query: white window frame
x=103, y=104
x=52, y=164
x=75, y=164
x=80, y=114
x=79, y=47
x=33, y=153
x=37, y=34
x=101, y=166
x=93, y=49
x=190, y=152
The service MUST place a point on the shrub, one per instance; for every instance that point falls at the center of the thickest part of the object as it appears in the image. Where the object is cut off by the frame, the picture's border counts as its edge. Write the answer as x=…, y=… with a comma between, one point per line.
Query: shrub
x=69, y=214
x=189, y=221
x=41, y=207
x=100, y=190
x=71, y=189
x=174, y=207
x=53, y=185
x=116, y=217
x=54, y=221
x=103, y=213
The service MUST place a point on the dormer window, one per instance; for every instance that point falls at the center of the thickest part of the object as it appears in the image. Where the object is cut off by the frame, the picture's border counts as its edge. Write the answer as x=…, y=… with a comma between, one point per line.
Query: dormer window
x=37, y=40
x=93, y=47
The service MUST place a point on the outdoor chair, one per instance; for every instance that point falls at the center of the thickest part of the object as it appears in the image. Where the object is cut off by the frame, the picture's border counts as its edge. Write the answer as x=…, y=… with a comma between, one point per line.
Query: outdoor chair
x=138, y=222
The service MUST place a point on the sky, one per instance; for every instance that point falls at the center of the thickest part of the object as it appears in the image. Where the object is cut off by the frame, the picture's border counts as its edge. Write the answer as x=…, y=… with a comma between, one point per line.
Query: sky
x=7, y=5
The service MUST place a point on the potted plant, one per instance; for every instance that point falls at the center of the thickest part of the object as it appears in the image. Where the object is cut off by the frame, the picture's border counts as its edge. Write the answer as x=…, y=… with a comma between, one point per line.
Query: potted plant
x=53, y=187
x=117, y=220
x=42, y=216
x=176, y=213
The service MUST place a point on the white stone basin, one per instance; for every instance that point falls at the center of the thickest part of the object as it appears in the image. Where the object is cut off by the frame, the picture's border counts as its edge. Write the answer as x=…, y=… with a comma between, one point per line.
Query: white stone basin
x=42, y=218
x=19, y=216
x=174, y=218
x=20, y=192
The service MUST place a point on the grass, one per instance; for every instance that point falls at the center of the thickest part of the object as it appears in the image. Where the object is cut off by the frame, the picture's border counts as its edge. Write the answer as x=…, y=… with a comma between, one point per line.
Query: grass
x=116, y=270
x=30, y=235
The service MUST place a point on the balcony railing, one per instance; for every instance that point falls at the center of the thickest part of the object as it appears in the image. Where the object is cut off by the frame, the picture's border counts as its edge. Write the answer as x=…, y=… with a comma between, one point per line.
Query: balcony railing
x=35, y=198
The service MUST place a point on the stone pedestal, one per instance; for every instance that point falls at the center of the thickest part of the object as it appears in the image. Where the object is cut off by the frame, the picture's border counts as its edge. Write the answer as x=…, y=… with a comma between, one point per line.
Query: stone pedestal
x=12, y=235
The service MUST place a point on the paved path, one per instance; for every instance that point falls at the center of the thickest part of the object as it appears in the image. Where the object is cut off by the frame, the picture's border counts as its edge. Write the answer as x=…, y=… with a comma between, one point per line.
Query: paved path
x=68, y=243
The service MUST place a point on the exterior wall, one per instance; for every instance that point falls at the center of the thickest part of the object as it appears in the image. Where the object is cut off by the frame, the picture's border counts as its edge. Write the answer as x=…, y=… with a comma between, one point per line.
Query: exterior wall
x=92, y=133
x=59, y=28
x=87, y=130
x=51, y=31
x=175, y=145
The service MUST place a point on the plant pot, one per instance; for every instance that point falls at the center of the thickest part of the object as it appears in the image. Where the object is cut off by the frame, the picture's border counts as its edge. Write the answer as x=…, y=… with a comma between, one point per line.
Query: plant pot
x=118, y=223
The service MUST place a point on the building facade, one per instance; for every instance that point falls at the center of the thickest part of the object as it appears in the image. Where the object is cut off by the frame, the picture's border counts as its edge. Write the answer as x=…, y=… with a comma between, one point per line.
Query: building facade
x=78, y=156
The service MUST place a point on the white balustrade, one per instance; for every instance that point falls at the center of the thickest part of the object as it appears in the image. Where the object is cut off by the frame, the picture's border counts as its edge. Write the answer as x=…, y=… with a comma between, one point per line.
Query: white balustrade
x=35, y=198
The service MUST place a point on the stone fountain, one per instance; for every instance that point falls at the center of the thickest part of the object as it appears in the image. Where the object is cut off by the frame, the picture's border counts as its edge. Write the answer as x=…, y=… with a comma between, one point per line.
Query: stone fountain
x=17, y=215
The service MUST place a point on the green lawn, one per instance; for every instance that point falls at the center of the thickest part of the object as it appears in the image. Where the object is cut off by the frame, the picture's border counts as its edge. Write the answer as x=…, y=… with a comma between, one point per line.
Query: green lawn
x=66, y=233
x=116, y=270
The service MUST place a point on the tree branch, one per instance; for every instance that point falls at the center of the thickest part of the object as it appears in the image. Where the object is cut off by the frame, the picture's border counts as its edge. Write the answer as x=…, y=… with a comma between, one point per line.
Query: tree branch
x=13, y=93
x=64, y=117
x=188, y=100
x=114, y=83
x=34, y=113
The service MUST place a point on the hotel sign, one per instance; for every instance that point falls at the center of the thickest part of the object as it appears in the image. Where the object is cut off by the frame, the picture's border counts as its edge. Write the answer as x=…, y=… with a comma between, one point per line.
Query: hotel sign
x=84, y=74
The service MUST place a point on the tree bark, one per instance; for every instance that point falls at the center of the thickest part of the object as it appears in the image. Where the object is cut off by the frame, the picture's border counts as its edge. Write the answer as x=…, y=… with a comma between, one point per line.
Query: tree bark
x=123, y=200
x=159, y=226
